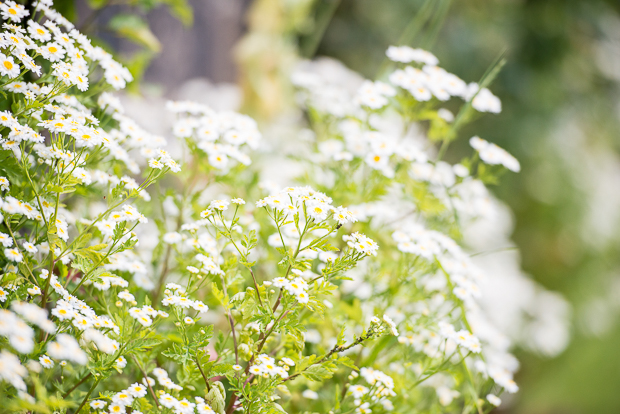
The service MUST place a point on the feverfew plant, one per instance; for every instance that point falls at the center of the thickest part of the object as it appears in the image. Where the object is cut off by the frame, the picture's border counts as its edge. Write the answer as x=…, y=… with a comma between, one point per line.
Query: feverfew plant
x=348, y=293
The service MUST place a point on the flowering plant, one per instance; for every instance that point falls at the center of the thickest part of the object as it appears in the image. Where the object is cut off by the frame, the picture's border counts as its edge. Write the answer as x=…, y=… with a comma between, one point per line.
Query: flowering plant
x=351, y=287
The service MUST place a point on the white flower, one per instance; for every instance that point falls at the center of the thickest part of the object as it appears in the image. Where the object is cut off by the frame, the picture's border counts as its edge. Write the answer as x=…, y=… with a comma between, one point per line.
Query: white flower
x=29, y=247
x=13, y=255
x=309, y=394
x=494, y=400
x=116, y=408
x=317, y=210
x=492, y=154
x=123, y=398
x=97, y=404
x=220, y=205
x=391, y=325
x=288, y=361
x=121, y=362
x=46, y=361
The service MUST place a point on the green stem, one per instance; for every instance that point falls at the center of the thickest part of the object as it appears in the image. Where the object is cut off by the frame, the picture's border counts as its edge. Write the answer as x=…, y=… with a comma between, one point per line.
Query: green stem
x=88, y=394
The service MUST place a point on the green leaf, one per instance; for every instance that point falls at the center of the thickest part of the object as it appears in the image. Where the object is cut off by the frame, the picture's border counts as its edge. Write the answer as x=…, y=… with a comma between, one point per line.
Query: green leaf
x=219, y=295
x=81, y=240
x=317, y=373
x=135, y=29
x=181, y=10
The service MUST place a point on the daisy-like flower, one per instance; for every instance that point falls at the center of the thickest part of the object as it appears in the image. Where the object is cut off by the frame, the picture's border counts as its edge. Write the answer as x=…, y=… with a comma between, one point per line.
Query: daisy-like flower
x=168, y=400
x=144, y=320
x=33, y=291
x=238, y=201
x=13, y=255
x=6, y=240
x=30, y=248
x=123, y=397
x=317, y=211
x=302, y=297
x=342, y=215
x=256, y=370
x=38, y=32
x=97, y=404
x=52, y=52
x=172, y=164
x=13, y=11
x=153, y=163
x=137, y=390
x=288, y=361
x=46, y=361
x=200, y=307
x=8, y=67
x=220, y=205
x=121, y=362
x=116, y=408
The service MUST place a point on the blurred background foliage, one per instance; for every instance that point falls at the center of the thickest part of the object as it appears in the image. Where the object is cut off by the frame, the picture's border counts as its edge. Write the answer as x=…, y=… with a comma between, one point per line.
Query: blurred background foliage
x=111, y=23
x=560, y=91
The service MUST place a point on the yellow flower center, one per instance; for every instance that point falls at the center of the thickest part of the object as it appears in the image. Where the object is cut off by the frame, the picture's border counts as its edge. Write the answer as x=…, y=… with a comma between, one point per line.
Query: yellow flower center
x=52, y=49
x=8, y=65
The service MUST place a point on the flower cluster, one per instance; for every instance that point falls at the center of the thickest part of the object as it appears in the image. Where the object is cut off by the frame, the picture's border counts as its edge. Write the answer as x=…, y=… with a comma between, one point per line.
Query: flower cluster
x=296, y=287
x=121, y=400
x=91, y=255
x=361, y=244
x=493, y=155
x=381, y=387
x=266, y=367
x=221, y=135
x=176, y=297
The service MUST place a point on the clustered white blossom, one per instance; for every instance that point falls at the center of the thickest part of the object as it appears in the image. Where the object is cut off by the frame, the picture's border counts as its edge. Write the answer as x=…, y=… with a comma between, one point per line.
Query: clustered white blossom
x=221, y=135
x=176, y=297
x=381, y=387
x=266, y=367
x=368, y=122
x=70, y=230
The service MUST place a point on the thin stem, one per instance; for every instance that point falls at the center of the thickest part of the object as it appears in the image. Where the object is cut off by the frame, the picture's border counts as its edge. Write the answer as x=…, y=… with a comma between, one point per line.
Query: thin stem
x=334, y=350
x=148, y=384
x=203, y=374
x=232, y=323
x=88, y=394
x=84, y=378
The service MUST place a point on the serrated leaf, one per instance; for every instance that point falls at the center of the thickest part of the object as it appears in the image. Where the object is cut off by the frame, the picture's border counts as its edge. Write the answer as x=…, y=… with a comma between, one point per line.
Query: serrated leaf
x=317, y=373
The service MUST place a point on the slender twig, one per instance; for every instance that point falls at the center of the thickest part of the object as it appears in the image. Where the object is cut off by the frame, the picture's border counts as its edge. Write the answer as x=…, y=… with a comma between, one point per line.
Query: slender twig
x=232, y=323
x=146, y=379
x=76, y=385
x=203, y=375
x=88, y=394
x=334, y=350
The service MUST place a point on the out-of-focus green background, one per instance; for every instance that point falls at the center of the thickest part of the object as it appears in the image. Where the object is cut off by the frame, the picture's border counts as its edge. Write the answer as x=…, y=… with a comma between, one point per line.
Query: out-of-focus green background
x=560, y=91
